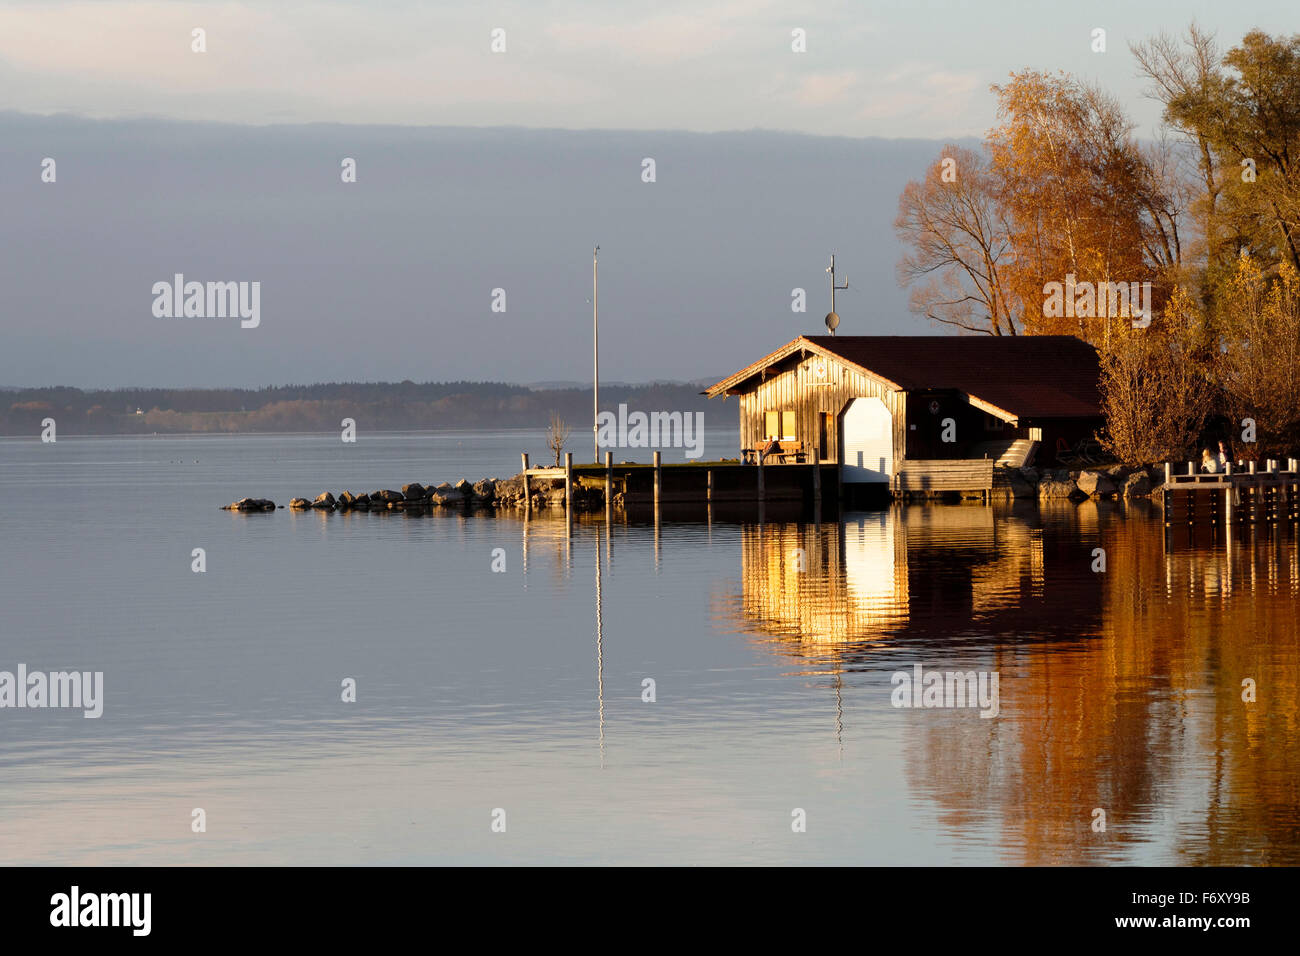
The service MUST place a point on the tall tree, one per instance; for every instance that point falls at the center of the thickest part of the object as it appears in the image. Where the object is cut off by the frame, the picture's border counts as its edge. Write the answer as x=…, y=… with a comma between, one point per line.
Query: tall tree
x=959, y=243
x=1074, y=187
x=1241, y=114
x=1155, y=392
x=1257, y=120
x=1186, y=77
x=1258, y=361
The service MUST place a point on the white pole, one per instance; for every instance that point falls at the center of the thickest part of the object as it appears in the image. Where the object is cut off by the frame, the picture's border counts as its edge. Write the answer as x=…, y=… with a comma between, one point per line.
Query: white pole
x=595, y=358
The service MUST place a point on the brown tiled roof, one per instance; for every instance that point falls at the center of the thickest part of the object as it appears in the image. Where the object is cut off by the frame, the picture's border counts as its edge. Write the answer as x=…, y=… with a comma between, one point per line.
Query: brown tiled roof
x=1029, y=376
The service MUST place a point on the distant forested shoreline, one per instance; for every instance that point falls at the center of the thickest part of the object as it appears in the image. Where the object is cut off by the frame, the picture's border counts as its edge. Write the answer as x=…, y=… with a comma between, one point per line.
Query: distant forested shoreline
x=308, y=408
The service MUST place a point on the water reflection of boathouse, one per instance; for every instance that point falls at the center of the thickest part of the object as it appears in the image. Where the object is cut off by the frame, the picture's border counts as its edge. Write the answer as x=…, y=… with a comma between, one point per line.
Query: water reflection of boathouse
x=912, y=570
x=1118, y=688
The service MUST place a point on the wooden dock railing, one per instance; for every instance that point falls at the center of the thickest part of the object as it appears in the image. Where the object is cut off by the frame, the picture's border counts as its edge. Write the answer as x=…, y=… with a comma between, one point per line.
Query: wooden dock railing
x=1263, y=490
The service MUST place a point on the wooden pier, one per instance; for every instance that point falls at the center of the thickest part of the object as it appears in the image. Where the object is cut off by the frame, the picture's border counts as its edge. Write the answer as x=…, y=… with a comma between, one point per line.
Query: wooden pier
x=815, y=485
x=1247, y=491
x=655, y=484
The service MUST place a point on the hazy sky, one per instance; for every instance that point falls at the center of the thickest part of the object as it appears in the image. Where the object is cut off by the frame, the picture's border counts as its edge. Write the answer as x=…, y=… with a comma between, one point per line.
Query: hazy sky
x=892, y=68
x=225, y=166
x=392, y=277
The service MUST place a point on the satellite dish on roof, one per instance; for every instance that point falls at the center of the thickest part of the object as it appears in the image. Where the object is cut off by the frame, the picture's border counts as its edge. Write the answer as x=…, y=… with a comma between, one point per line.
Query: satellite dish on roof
x=832, y=322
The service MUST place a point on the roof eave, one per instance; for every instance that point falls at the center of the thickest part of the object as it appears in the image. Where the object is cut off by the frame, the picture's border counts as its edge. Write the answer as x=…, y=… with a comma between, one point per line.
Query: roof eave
x=1009, y=417
x=750, y=371
x=802, y=343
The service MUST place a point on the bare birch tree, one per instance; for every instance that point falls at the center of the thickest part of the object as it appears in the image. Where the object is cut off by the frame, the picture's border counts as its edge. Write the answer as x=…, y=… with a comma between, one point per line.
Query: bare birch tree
x=557, y=433
x=959, y=244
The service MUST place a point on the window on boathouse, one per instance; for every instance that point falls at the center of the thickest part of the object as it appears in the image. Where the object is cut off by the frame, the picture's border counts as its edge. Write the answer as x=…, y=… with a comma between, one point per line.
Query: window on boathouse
x=779, y=424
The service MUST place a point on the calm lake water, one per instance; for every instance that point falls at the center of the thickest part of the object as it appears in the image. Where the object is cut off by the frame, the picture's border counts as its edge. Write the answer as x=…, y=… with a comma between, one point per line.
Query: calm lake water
x=772, y=649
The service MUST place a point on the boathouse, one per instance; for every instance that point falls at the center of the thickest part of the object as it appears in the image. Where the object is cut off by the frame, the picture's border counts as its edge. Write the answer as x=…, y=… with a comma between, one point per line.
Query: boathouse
x=918, y=413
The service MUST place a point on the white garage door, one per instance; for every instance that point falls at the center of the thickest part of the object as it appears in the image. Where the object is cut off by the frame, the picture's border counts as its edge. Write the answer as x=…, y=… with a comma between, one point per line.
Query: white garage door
x=868, y=442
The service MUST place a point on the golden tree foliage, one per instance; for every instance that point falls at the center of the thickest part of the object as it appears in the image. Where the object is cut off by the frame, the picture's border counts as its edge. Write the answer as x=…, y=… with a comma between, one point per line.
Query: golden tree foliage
x=1156, y=394
x=1239, y=112
x=1258, y=363
x=1062, y=216
x=1256, y=117
x=1060, y=194
x=1071, y=182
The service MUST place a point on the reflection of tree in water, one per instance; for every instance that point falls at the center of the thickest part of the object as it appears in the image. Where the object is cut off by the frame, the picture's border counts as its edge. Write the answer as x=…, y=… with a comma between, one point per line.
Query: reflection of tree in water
x=1120, y=690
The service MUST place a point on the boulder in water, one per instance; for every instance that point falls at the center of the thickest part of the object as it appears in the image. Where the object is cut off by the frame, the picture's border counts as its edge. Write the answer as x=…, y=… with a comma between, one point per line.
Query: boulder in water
x=251, y=504
x=1138, y=485
x=1096, y=483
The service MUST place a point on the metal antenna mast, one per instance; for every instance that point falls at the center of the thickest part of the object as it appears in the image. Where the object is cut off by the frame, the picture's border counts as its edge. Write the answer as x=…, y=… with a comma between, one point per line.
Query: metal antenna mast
x=833, y=319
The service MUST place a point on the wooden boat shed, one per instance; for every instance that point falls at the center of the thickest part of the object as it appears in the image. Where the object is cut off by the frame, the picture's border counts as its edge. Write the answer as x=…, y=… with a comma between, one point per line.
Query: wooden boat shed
x=919, y=413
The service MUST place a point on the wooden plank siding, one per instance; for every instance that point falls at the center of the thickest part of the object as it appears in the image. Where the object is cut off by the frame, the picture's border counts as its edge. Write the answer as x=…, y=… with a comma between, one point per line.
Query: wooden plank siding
x=796, y=388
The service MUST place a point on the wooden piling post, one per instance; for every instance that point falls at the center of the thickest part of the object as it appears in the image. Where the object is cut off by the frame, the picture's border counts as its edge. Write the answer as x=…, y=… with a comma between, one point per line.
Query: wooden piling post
x=528, y=495
x=1270, y=491
x=659, y=485
x=1253, y=489
x=1263, y=490
x=1288, y=488
x=609, y=481
x=761, y=456
x=659, y=481
x=568, y=482
x=708, y=487
x=1229, y=494
x=1166, y=493
x=817, y=478
x=1284, y=490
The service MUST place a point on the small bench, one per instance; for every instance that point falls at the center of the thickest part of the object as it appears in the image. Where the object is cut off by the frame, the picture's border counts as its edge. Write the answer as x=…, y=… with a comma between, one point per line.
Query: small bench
x=789, y=451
